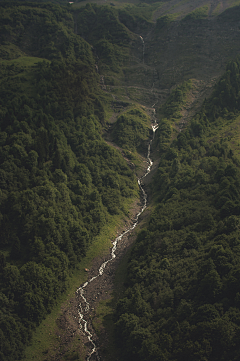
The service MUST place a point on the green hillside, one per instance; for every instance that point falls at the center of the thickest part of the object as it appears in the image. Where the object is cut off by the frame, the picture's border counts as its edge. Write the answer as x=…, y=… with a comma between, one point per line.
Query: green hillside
x=131, y=130
x=79, y=86
x=60, y=182
x=182, y=295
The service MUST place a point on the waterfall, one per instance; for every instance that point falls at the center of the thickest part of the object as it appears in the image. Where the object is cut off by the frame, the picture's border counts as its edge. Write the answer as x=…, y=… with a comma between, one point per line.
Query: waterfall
x=143, y=47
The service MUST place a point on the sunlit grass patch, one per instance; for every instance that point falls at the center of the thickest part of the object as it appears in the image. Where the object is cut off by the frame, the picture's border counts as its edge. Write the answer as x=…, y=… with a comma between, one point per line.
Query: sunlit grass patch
x=199, y=13
x=24, y=61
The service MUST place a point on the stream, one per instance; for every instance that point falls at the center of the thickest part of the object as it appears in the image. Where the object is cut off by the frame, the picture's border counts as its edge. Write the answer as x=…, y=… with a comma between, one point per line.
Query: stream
x=84, y=306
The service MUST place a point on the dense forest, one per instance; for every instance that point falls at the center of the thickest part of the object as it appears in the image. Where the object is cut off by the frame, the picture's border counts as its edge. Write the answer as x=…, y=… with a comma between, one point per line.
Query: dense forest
x=182, y=296
x=64, y=72
x=60, y=182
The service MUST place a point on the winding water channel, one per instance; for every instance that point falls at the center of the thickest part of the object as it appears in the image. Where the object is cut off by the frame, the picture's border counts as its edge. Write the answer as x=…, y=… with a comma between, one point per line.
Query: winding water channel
x=84, y=306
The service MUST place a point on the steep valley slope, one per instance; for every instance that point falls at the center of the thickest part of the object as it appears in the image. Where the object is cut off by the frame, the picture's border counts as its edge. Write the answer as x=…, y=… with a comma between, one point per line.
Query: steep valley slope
x=67, y=169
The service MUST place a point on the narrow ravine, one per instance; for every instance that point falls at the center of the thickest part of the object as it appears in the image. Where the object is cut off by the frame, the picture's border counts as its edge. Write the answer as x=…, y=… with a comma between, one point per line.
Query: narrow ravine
x=84, y=305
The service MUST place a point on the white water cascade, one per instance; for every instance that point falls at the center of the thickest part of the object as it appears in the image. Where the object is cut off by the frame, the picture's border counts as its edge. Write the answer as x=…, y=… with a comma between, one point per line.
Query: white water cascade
x=84, y=306
x=143, y=47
